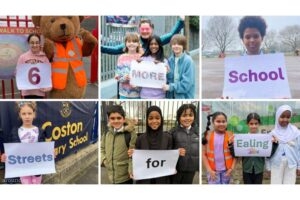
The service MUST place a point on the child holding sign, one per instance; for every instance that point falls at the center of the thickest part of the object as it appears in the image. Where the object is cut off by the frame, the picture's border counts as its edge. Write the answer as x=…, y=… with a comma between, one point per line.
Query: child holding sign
x=132, y=52
x=154, y=53
x=181, y=79
x=186, y=139
x=285, y=163
x=154, y=139
x=253, y=167
x=114, y=146
x=33, y=56
x=27, y=133
x=216, y=155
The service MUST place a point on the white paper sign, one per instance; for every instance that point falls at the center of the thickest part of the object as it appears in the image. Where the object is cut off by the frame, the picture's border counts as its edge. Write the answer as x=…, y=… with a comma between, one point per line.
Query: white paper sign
x=252, y=145
x=256, y=77
x=148, y=74
x=154, y=163
x=33, y=76
x=26, y=159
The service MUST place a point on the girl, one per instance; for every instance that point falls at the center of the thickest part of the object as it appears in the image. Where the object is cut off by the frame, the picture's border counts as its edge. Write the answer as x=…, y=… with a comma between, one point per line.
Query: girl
x=216, y=155
x=253, y=167
x=186, y=139
x=132, y=52
x=154, y=139
x=181, y=79
x=154, y=53
x=27, y=133
x=33, y=55
x=286, y=160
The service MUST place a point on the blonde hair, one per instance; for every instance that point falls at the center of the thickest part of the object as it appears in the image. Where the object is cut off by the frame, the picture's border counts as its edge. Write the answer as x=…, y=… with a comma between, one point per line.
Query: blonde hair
x=30, y=104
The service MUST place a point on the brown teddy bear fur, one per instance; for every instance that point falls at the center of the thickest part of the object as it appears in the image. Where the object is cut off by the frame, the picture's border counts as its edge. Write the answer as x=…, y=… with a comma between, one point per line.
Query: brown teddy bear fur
x=50, y=27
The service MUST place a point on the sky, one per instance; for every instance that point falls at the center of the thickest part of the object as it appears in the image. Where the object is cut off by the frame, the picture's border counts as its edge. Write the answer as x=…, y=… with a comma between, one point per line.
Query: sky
x=273, y=22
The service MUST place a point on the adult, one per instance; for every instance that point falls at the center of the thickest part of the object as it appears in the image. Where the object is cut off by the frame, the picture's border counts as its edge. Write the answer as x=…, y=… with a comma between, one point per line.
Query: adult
x=146, y=28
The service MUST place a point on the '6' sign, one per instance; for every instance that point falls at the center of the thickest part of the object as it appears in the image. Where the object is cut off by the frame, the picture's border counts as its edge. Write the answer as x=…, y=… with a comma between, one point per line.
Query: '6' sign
x=33, y=76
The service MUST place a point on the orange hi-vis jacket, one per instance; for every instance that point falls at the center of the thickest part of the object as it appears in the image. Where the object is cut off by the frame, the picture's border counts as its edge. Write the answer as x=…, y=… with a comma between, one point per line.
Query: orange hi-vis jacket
x=210, y=153
x=65, y=57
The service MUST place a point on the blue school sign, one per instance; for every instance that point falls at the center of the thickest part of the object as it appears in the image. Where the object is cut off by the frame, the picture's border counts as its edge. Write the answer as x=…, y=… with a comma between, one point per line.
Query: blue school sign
x=69, y=124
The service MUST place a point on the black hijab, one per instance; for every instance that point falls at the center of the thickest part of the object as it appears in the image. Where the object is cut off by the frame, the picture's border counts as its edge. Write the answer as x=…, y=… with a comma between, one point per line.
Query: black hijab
x=154, y=137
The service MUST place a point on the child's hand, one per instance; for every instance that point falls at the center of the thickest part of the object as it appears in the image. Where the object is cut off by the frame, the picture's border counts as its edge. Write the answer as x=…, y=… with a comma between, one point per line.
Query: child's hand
x=130, y=152
x=231, y=139
x=165, y=87
x=228, y=172
x=274, y=139
x=131, y=176
x=182, y=151
x=298, y=172
x=117, y=77
x=212, y=174
x=167, y=68
x=268, y=174
x=3, y=157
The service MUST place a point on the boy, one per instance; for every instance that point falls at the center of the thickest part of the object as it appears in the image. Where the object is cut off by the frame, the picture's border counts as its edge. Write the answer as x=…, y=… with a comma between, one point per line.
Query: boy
x=114, y=146
x=252, y=30
x=181, y=78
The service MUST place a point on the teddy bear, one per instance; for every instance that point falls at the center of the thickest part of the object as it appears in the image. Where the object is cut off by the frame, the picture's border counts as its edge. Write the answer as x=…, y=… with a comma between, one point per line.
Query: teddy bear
x=65, y=44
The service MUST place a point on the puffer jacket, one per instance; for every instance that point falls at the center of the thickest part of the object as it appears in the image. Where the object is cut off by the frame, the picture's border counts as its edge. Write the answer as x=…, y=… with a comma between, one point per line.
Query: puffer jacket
x=114, y=153
x=189, y=141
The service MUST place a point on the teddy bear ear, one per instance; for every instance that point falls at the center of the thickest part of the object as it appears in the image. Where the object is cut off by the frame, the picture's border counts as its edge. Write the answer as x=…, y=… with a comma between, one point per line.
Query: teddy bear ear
x=36, y=20
x=81, y=18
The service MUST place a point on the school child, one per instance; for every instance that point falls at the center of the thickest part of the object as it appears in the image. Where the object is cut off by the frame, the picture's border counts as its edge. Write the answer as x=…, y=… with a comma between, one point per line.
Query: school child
x=33, y=56
x=252, y=30
x=132, y=52
x=186, y=138
x=114, y=146
x=253, y=167
x=154, y=139
x=285, y=163
x=27, y=133
x=181, y=78
x=154, y=53
x=216, y=156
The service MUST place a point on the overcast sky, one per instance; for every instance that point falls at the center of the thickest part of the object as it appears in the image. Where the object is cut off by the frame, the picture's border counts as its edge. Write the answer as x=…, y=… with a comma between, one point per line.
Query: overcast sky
x=273, y=22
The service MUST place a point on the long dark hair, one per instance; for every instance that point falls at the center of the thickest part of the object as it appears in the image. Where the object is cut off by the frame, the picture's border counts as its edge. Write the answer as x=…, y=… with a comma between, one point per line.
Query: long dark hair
x=159, y=55
x=210, y=118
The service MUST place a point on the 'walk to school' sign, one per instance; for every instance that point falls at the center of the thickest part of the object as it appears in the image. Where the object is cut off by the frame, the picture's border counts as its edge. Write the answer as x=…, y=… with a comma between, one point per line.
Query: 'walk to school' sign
x=256, y=77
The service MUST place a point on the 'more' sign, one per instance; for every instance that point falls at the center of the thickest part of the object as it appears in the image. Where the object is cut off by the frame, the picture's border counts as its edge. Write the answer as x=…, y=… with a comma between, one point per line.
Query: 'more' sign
x=259, y=76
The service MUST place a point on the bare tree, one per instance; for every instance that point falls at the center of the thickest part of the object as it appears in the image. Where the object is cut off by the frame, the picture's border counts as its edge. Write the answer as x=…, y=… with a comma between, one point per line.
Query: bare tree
x=205, y=42
x=290, y=36
x=270, y=41
x=222, y=32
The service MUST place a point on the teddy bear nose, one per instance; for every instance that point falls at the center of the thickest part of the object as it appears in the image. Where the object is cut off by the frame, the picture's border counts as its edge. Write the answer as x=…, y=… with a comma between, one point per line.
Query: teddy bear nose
x=63, y=26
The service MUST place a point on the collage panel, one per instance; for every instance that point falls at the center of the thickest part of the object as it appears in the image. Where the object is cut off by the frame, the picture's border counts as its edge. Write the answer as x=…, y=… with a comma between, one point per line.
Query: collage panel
x=250, y=57
x=250, y=142
x=49, y=142
x=49, y=57
x=150, y=57
x=149, y=142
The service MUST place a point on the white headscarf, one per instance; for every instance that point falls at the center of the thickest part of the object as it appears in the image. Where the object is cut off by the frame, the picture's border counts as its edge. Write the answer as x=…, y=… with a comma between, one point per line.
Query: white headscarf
x=284, y=134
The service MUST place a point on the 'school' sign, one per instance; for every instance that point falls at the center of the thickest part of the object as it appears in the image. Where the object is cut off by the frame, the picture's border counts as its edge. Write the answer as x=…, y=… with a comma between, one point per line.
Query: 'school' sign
x=256, y=77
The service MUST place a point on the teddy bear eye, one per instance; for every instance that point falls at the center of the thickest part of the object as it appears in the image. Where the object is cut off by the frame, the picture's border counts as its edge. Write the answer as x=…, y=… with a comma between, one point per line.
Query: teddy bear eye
x=52, y=20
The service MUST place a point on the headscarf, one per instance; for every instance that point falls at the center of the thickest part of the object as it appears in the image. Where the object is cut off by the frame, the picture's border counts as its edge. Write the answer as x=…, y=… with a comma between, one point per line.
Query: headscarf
x=284, y=134
x=154, y=136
